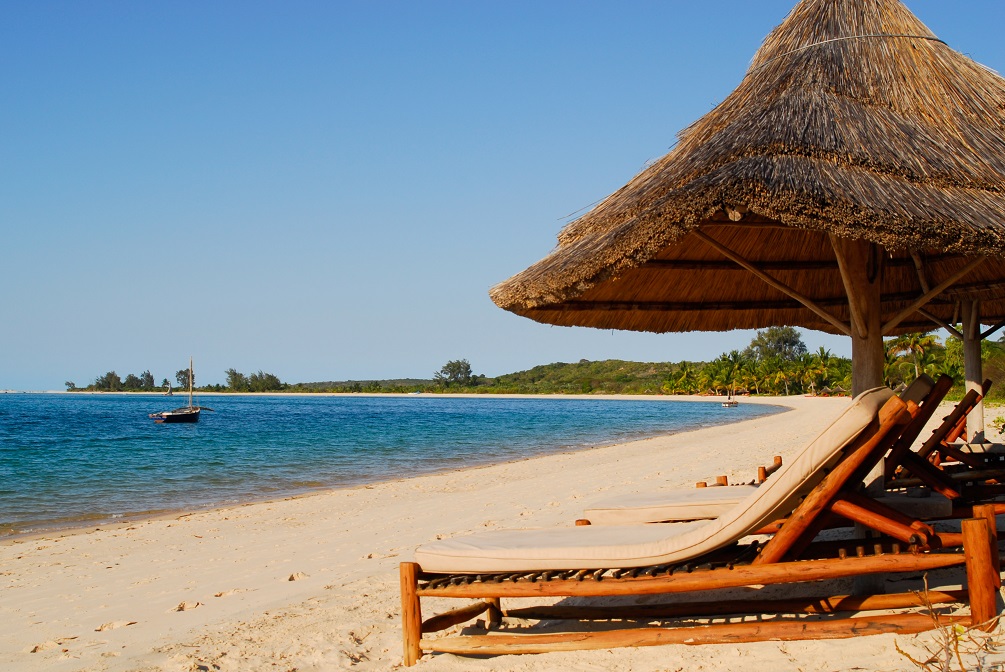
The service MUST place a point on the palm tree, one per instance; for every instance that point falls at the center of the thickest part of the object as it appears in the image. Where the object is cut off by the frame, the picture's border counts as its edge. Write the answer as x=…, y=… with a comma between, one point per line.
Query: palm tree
x=685, y=379
x=734, y=362
x=813, y=369
x=913, y=346
x=892, y=374
x=782, y=375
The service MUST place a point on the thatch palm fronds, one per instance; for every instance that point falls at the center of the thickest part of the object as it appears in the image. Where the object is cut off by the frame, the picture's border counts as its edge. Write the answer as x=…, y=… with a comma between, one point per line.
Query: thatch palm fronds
x=854, y=121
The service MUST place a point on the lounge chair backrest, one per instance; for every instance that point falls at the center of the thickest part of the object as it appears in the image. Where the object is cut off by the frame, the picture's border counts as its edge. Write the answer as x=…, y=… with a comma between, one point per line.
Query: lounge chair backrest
x=918, y=390
x=780, y=494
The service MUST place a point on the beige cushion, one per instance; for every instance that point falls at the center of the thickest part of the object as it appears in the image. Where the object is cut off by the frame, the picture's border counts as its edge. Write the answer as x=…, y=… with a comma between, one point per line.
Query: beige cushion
x=640, y=545
x=919, y=389
x=673, y=504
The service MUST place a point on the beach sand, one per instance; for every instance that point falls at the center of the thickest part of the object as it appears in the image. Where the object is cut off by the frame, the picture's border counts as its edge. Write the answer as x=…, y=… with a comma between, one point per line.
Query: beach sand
x=311, y=583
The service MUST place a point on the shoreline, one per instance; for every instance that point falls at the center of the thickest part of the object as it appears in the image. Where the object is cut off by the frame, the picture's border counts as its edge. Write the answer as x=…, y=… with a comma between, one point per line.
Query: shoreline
x=87, y=520
x=310, y=582
x=432, y=395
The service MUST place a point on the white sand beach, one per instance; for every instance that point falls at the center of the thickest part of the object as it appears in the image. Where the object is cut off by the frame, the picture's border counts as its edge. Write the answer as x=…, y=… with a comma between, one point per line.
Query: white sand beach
x=311, y=583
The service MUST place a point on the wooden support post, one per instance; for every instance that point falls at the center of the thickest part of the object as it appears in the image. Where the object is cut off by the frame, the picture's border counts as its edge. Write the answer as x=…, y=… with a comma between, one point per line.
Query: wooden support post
x=764, y=472
x=989, y=513
x=860, y=264
x=701, y=484
x=981, y=583
x=580, y=522
x=721, y=480
x=493, y=617
x=972, y=366
x=411, y=613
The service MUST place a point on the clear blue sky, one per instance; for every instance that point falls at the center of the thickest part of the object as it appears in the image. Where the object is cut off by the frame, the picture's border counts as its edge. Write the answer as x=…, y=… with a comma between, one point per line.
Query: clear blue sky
x=327, y=190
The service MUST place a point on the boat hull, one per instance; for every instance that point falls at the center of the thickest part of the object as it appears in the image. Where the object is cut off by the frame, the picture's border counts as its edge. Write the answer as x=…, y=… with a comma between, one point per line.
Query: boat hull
x=180, y=415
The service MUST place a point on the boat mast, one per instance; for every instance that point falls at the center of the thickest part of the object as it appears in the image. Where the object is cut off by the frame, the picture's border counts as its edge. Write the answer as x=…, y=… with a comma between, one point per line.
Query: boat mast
x=190, y=382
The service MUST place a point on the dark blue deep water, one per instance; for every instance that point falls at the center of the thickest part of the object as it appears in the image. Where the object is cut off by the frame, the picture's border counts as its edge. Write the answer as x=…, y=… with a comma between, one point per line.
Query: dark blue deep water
x=76, y=459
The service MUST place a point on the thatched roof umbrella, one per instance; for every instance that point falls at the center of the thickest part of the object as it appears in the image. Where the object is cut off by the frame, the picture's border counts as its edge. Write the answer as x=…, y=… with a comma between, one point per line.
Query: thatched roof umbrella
x=854, y=183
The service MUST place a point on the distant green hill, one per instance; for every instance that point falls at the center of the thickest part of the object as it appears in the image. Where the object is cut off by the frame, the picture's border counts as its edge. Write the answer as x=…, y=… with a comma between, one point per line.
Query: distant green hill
x=394, y=385
x=612, y=376
x=584, y=377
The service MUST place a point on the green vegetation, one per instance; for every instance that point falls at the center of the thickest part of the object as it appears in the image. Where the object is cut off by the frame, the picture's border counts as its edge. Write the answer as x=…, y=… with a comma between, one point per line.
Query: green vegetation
x=999, y=424
x=111, y=382
x=396, y=386
x=776, y=362
x=256, y=382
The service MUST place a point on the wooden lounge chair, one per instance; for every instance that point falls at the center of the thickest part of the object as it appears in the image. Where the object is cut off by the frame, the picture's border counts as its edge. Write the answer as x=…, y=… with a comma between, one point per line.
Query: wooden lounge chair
x=594, y=561
x=704, y=503
x=963, y=477
x=940, y=447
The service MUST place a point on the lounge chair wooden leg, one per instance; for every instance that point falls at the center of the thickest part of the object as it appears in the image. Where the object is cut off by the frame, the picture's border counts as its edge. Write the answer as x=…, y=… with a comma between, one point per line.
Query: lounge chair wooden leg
x=988, y=512
x=411, y=613
x=493, y=617
x=981, y=583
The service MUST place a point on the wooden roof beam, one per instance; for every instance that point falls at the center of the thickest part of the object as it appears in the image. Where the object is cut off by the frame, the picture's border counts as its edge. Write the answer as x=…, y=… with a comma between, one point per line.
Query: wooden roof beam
x=920, y=270
x=931, y=294
x=780, y=286
x=982, y=287
x=992, y=330
x=945, y=325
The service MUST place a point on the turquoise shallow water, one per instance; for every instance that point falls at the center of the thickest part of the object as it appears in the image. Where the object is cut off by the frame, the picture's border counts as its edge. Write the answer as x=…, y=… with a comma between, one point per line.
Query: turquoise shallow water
x=74, y=459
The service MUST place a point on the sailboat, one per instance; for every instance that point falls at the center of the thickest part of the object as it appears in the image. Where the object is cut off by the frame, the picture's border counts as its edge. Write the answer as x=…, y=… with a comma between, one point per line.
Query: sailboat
x=188, y=413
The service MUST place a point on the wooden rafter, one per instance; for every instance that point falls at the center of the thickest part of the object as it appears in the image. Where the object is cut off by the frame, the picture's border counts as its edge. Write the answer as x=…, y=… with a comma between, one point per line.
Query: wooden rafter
x=992, y=330
x=977, y=287
x=780, y=286
x=942, y=323
x=931, y=294
x=919, y=268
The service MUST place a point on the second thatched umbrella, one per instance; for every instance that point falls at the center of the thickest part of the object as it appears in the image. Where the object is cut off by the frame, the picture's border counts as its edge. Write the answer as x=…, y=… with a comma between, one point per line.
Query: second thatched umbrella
x=854, y=183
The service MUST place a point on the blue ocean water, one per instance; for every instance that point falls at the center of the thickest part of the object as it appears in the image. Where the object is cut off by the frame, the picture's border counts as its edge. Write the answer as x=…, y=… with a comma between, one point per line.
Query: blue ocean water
x=73, y=459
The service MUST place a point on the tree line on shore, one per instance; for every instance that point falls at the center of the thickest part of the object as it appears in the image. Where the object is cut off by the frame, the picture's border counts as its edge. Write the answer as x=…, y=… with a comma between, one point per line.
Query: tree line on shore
x=776, y=362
